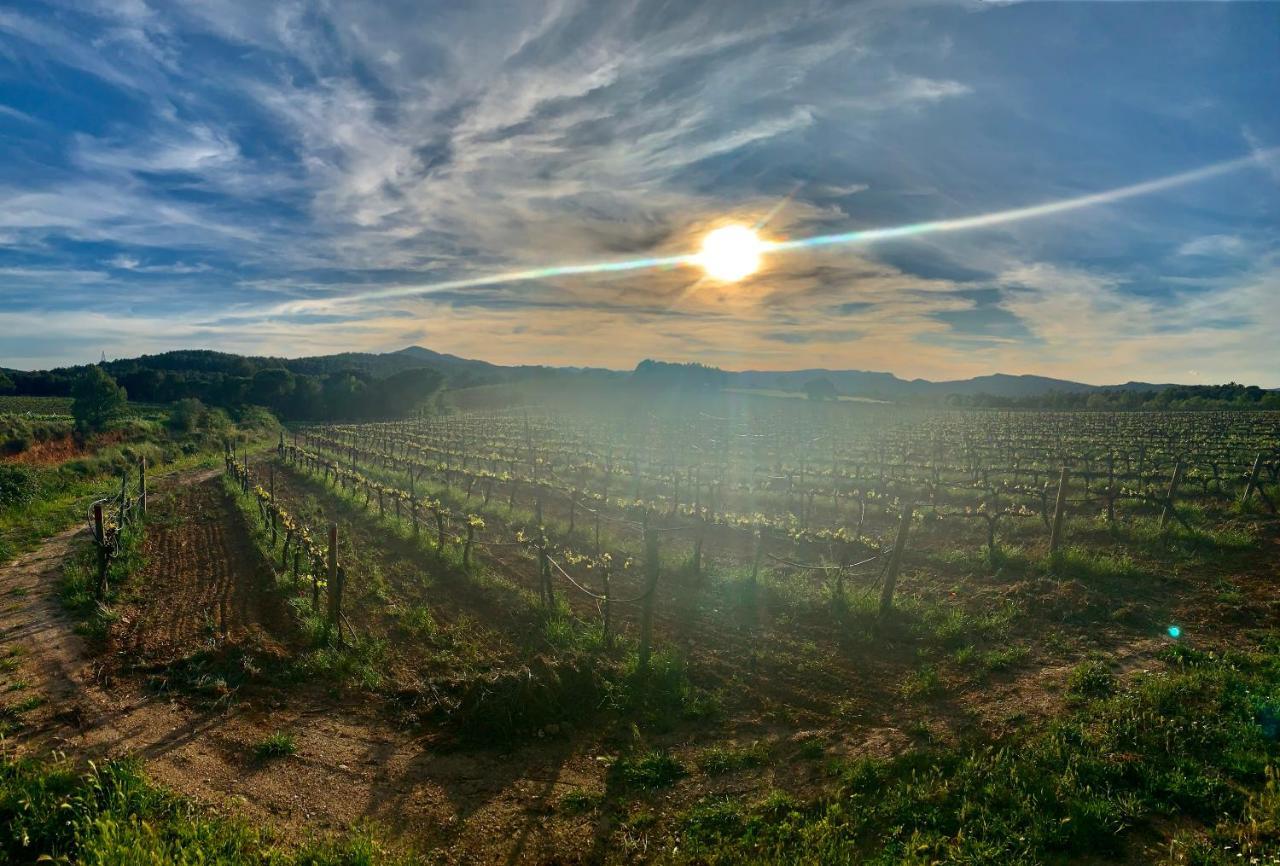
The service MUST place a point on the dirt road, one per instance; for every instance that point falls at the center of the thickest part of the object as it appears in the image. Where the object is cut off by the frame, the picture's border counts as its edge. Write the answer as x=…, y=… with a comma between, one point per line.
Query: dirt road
x=204, y=591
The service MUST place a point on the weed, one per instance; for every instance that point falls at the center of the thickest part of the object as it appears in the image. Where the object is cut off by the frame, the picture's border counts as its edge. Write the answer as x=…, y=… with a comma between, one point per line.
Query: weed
x=1091, y=679
x=922, y=683
x=279, y=744
x=812, y=749
x=656, y=769
x=719, y=760
x=579, y=802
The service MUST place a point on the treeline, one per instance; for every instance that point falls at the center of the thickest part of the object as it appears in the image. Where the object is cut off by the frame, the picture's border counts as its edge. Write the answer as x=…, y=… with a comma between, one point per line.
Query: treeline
x=1179, y=397
x=231, y=381
x=684, y=377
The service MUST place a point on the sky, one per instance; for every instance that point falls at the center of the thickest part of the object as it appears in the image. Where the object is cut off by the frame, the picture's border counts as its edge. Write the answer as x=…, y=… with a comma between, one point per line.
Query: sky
x=297, y=178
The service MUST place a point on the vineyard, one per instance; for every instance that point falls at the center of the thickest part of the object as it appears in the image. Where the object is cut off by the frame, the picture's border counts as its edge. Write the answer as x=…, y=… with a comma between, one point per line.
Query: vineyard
x=741, y=600
x=813, y=503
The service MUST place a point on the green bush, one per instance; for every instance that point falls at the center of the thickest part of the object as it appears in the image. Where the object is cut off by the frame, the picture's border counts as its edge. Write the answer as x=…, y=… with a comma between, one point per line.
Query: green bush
x=187, y=415
x=17, y=486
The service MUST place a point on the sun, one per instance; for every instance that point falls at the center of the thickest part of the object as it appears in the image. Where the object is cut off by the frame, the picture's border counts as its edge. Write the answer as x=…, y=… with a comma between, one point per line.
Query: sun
x=731, y=253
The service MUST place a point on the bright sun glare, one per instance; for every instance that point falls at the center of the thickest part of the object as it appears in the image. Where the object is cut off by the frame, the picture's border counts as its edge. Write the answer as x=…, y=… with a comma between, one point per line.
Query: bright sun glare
x=731, y=253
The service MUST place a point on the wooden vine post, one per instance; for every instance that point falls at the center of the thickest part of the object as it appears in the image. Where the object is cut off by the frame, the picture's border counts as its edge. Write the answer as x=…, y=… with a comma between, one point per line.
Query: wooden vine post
x=608, y=606
x=697, y=545
x=1111, y=487
x=271, y=491
x=650, y=591
x=755, y=560
x=1059, y=513
x=544, y=573
x=895, y=560
x=1253, y=479
x=99, y=535
x=335, y=582
x=1174, y=481
x=142, y=485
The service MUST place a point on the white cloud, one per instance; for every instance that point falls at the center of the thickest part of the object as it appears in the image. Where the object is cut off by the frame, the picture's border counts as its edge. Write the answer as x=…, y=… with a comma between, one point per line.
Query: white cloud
x=1213, y=245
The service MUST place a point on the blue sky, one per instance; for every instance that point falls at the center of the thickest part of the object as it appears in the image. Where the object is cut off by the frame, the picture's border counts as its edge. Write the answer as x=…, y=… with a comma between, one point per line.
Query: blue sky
x=223, y=174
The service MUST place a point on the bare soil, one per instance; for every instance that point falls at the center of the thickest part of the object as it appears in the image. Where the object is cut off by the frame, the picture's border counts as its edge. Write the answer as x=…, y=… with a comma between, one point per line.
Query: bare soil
x=202, y=584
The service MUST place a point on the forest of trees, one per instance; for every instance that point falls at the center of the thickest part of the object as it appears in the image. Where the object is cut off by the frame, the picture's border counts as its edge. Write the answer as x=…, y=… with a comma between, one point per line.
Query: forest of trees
x=1179, y=397
x=219, y=379
x=682, y=377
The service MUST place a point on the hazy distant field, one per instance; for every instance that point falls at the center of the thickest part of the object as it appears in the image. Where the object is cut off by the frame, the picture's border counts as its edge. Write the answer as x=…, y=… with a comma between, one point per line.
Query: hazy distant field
x=35, y=405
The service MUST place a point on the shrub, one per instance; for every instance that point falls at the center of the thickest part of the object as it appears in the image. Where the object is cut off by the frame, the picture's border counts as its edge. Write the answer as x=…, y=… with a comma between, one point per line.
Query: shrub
x=187, y=415
x=17, y=486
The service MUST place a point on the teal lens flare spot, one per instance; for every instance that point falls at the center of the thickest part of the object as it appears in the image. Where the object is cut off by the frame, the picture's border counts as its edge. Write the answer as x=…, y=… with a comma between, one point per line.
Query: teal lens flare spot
x=1175, y=632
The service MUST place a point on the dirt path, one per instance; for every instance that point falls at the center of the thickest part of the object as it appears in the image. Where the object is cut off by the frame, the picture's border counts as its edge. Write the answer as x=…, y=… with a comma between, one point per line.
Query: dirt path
x=351, y=766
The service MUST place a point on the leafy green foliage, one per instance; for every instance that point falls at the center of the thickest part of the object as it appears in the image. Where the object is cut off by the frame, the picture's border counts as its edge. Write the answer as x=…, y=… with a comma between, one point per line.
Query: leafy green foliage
x=97, y=399
x=17, y=486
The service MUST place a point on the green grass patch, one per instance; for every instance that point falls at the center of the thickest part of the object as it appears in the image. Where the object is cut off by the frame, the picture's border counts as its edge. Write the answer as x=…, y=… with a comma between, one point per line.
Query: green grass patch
x=278, y=744
x=1091, y=679
x=578, y=802
x=110, y=815
x=720, y=760
x=1196, y=744
x=649, y=771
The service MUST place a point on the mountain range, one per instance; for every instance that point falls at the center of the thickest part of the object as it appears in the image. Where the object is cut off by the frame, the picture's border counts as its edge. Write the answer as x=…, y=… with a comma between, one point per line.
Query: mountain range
x=461, y=372
x=854, y=383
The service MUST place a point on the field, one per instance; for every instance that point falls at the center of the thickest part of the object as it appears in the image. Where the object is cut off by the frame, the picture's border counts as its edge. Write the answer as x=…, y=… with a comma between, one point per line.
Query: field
x=738, y=630
x=51, y=406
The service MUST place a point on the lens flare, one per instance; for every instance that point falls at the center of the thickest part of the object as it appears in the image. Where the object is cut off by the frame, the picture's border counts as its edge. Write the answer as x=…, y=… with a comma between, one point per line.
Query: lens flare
x=1175, y=632
x=731, y=253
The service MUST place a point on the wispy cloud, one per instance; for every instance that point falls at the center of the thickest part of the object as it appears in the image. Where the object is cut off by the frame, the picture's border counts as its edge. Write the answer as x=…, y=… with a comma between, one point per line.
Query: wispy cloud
x=232, y=168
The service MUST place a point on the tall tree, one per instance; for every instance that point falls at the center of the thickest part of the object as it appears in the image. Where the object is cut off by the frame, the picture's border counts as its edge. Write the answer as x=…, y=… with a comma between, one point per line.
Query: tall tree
x=96, y=399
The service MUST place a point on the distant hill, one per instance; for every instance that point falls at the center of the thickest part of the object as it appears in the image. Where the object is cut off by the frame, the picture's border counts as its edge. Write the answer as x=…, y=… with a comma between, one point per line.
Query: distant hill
x=457, y=372
x=886, y=386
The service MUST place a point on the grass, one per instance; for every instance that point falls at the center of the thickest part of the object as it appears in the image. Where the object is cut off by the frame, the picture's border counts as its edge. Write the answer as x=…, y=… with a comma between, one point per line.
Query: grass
x=923, y=682
x=721, y=760
x=279, y=744
x=649, y=771
x=1195, y=742
x=64, y=492
x=1091, y=679
x=579, y=802
x=80, y=578
x=110, y=814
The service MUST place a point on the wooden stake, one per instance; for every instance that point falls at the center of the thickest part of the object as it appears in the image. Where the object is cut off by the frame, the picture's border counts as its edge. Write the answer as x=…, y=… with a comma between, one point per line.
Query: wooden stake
x=333, y=572
x=1167, y=511
x=1253, y=479
x=895, y=560
x=1059, y=513
x=651, y=589
x=99, y=535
